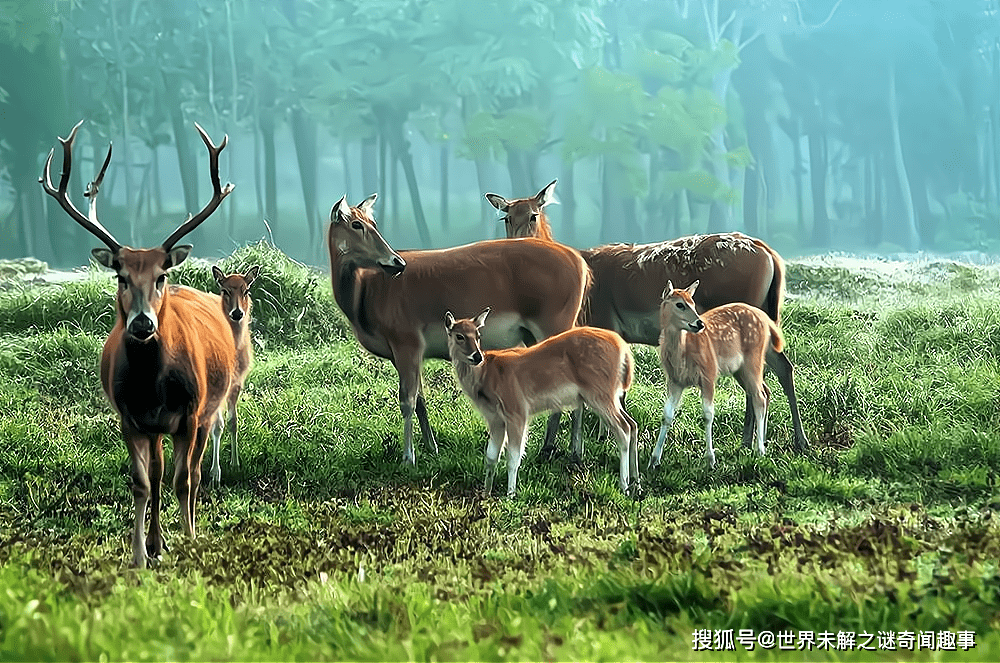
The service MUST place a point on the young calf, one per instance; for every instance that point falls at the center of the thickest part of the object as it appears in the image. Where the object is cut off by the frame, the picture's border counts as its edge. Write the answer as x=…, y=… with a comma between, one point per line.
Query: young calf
x=236, y=305
x=508, y=387
x=729, y=340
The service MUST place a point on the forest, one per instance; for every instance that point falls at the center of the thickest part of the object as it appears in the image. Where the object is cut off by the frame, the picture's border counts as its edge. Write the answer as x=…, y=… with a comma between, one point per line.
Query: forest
x=820, y=125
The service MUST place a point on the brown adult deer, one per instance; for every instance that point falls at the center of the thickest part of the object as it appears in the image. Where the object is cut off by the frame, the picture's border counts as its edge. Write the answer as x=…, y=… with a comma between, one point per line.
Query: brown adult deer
x=395, y=302
x=234, y=291
x=629, y=279
x=168, y=362
x=731, y=339
x=508, y=387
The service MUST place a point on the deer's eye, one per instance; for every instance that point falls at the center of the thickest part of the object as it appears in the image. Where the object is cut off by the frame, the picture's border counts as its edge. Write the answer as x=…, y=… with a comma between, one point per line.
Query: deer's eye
x=459, y=337
x=679, y=305
x=357, y=225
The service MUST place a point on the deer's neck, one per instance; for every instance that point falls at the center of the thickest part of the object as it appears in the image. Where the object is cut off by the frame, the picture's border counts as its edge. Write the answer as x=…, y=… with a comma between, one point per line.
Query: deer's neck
x=544, y=229
x=677, y=355
x=472, y=378
x=349, y=290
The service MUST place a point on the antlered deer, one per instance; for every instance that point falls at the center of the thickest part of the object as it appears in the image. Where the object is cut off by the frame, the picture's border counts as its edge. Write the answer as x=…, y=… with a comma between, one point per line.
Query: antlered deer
x=168, y=362
x=395, y=302
x=508, y=387
x=731, y=339
x=234, y=291
x=628, y=284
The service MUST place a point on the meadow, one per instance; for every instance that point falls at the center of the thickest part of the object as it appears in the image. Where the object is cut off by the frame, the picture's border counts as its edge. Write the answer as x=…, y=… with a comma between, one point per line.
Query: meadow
x=323, y=545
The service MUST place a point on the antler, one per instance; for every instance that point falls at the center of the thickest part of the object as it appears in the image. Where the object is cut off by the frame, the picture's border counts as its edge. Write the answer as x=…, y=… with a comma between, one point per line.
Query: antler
x=92, y=225
x=219, y=194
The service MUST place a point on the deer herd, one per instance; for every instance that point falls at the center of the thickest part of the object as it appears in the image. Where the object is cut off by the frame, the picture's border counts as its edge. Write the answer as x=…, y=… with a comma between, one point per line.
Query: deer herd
x=530, y=326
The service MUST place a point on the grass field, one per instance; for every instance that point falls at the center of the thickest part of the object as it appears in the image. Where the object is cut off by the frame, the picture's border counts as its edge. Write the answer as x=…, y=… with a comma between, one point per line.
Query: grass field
x=323, y=545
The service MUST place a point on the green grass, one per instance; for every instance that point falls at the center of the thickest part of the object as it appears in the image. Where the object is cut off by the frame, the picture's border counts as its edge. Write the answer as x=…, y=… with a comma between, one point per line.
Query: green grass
x=323, y=545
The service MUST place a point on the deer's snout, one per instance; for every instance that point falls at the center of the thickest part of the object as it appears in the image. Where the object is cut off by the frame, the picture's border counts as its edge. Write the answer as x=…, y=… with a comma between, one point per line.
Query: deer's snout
x=395, y=266
x=141, y=327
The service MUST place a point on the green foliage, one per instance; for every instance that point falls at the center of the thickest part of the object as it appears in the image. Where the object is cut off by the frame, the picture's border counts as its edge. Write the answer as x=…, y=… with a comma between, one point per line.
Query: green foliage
x=323, y=545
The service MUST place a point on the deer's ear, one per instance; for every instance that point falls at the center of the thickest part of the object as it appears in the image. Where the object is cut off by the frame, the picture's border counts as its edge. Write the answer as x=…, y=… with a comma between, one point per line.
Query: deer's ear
x=104, y=257
x=480, y=319
x=449, y=320
x=547, y=196
x=339, y=210
x=177, y=255
x=217, y=274
x=498, y=201
x=691, y=288
x=251, y=275
x=368, y=202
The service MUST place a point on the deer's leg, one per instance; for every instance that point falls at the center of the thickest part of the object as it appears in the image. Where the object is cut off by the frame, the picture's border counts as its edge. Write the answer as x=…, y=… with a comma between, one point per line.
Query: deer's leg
x=748, y=423
x=633, y=451
x=408, y=366
x=778, y=362
x=155, y=544
x=498, y=435
x=425, y=425
x=183, y=446
x=139, y=452
x=551, y=430
x=216, y=472
x=234, y=396
x=708, y=406
x=517, y=433
x=623, y=432
x=671, y=402
x=760, y=410
x=576, y=435
x=196, y=457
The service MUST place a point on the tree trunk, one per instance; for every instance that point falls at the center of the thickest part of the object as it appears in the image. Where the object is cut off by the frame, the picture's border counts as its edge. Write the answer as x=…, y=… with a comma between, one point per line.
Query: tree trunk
x=394, y=184
x=443, y=157
x=369, y=166
x=817, y=181
x=876, y=221
x=401, y=148
x=304, y=135
x=751, y=190
x=516, y=166
x=904, y=232
x=487, y=213
x=126, y=151
x=346, y=160
x=567, y=197
x=618, y=222
x=185, y=155
x=266, y=122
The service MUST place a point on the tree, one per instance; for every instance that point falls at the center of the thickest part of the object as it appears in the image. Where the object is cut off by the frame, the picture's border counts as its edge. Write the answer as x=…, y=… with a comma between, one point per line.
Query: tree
x=33, y=108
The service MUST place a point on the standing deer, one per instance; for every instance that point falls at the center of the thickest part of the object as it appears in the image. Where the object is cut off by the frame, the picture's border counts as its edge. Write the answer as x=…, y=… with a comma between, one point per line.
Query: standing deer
x=628, y=283
x=395, y=301
x=508, y=387
x=234, y=290
x=731, y=339
x=169, y=360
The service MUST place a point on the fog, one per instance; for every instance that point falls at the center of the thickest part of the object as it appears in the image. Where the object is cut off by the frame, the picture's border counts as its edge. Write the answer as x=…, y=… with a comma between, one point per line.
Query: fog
x=817, y=125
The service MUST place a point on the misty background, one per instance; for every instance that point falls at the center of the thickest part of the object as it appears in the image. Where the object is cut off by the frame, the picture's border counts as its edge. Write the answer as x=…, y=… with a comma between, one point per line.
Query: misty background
x=817, y=125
